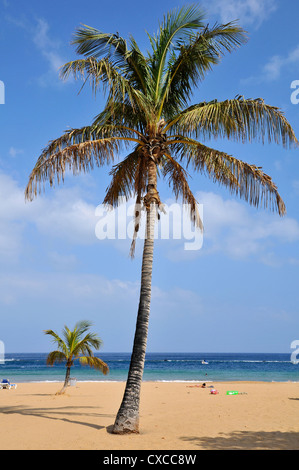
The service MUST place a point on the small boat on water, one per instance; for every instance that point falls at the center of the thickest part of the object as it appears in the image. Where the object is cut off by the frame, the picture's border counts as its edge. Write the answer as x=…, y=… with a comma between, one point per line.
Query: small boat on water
x=204, y=362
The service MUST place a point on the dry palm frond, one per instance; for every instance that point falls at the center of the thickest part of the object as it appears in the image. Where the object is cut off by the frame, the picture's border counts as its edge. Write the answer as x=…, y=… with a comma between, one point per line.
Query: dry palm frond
x=129, y=177
x=77, y=150
x=247, y=181
x=140, y=188
x=117, y=115
x=177, y=177
x=123, y=179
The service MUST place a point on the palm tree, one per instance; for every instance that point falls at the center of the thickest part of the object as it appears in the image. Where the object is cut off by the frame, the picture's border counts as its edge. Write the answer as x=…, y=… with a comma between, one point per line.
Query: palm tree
x=77, y=344
x=149, y=111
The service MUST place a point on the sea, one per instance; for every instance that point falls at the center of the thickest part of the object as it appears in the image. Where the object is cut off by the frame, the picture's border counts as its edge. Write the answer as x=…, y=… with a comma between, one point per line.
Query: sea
x=162, y=367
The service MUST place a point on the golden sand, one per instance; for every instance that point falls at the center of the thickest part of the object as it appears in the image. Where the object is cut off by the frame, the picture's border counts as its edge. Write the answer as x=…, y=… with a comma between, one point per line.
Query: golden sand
x=173, y=416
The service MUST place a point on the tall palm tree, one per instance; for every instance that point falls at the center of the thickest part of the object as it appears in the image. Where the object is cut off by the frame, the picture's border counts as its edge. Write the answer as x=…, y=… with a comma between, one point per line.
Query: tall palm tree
x=149, y=111
x=77, y=344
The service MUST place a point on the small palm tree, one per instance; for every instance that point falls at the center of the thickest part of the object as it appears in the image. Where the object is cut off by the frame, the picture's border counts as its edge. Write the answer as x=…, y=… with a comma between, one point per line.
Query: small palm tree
x=149, y=111
x=76, y=345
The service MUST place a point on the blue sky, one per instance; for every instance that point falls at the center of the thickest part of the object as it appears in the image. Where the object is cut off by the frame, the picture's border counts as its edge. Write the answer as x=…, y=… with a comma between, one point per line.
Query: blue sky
x=239, y=293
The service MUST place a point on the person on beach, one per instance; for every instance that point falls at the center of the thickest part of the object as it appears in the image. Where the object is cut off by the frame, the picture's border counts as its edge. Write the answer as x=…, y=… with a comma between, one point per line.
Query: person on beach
x=200, y=386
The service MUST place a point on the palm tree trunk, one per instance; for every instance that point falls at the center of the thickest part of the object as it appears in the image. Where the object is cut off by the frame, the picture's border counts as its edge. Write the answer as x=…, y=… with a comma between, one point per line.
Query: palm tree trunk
x=127, y=419
x=66, y=380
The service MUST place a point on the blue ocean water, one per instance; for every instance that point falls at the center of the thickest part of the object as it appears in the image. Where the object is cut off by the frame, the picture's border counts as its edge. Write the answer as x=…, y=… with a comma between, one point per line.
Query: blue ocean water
x=159, y=367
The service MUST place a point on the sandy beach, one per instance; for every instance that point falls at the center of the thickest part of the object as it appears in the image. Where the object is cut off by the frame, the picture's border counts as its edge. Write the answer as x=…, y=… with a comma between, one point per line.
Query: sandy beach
x=174, y=416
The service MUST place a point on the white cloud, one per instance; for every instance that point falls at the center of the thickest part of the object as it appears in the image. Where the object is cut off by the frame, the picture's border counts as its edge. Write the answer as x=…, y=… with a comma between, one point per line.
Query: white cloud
x=168, y=301
x=14, y=152
x=11, y=220
x=10, y=242
x=235, y=230
x=246, y=11
x=295, y=185
x=273, y=68
x=65, y=216
x=80, y=290
x=48, y=47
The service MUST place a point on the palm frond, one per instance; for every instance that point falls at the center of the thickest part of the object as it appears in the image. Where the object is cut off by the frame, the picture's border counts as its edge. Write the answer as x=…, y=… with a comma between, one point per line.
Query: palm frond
x=94, y=362
x=137, y=68
x=177, y=177
x=140, y=188
x=70, y=339
x=176, y=26
x=103, y=72
x=128, y=59
x=120, y=120
x=78, y=150
x=82, y=326
x=56, y=339
x=123, y=179
x=92, y=42
x=249, y=182
x=240, y=119
x=117, y=115
x=188, y=68
x=56, y=356
x=86, y=344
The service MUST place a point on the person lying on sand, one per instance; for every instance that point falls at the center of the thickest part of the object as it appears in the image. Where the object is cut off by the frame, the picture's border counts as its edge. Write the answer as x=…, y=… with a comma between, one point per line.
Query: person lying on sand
x=200, y=386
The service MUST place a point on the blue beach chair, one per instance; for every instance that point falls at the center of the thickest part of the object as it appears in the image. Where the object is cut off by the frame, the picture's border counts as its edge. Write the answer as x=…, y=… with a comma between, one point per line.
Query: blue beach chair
x=5, y=383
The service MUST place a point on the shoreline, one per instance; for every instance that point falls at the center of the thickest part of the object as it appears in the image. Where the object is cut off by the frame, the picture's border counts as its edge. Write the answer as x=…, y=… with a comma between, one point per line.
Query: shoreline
x=163, y=381
x=173, y=416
